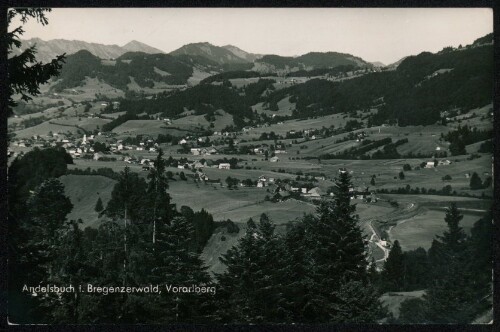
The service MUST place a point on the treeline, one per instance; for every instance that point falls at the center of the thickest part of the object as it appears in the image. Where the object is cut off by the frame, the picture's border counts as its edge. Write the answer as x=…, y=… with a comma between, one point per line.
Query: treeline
x=466, y=135
x=358, y=152
x=389, y=151
x=230, y=75
x=475, y=183
x=455, y=274
x=103, y=171
x=31, y=122
x=336, y=71
x=122, y=119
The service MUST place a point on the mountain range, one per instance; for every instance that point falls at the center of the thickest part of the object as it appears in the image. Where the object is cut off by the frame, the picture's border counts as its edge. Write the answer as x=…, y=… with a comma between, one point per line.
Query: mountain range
x=48, y=50
x=228, y=57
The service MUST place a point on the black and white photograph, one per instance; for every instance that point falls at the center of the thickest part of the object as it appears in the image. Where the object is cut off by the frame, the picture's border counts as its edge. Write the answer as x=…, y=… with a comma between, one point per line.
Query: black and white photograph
x=249, y=166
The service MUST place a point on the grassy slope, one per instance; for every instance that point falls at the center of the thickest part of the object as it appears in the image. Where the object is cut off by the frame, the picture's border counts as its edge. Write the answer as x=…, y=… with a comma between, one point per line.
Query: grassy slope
x=393, y=300
x=84, y=190
x=419, y=231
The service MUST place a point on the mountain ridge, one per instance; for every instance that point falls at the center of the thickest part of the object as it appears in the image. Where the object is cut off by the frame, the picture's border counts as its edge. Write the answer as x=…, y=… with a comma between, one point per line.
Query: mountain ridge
x=48, y=50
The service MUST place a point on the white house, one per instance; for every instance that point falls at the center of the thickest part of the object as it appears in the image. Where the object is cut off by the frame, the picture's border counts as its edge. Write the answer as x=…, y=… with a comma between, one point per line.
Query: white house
x=97, y=156
x=444, y=163
x=314, y=192
x=274, y=159
x=182, y=141
x=224, y=166
x=429, y=164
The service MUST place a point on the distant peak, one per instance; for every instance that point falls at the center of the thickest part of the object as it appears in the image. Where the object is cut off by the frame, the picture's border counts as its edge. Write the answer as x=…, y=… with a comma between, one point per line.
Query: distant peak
x=133, y=42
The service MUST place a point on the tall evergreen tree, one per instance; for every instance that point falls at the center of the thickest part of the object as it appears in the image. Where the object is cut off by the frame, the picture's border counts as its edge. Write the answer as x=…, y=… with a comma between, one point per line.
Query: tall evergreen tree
x=339, y=258
x=127, y=198
x=159, y=199
x=475, y=182
x=417, y=274
x=394, y=274
x=98, y=205
x=39, y=236
x=454, y=294
x=176, y=265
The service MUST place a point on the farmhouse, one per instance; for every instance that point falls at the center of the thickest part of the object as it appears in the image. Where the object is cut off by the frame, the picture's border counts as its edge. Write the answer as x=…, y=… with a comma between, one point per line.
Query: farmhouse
x=314, y=192
x=444, y=162
x=274, y=159
x=202, y=176
x=198, y=164
x=429, y=164
x=98, y=156
x=224, y=166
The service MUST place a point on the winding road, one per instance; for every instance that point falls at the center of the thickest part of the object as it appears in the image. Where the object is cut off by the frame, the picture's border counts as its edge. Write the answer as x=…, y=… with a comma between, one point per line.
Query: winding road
x=375, y=238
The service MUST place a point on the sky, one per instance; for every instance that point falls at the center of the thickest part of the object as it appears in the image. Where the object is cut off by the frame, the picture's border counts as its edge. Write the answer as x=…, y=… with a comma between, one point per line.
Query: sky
x=374, y=34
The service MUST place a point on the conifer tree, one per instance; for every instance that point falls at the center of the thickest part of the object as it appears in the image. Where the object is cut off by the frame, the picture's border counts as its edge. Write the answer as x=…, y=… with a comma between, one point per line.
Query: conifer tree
x=98, y=205
x=339, y=258
x=475, y=182
x=71, y=270
x=127, y=198
x=393, y=274
x=39, y=239
x=176, y=264
x=236, y=286
x=454, y=295
x=159, y=199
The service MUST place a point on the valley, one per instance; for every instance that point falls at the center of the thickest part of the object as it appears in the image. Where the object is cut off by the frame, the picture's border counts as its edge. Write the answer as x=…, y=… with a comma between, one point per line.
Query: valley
x=245, y=134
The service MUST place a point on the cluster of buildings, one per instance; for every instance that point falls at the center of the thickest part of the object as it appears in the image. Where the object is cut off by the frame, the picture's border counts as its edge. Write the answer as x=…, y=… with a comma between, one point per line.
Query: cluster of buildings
x=432, y=164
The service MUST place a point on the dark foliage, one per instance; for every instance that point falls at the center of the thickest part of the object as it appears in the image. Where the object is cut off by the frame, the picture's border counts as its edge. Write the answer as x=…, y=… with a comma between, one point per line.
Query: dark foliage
x=25, y=74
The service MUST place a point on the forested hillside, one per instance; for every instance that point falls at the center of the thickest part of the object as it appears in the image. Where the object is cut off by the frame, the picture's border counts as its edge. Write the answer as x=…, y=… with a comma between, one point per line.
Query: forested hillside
x=146, y=69
x=313, y=60
x=415, y=93
x=203, y=99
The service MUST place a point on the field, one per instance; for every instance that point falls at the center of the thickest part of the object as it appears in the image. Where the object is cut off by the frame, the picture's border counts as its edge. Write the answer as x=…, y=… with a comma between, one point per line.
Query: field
x=197, y=76
x=83, y=191
x=89, y=89
x=45, y=128
x=415, y=222
x=141, y=127
x=88, y=124
x=419, y=231
x=393, y=300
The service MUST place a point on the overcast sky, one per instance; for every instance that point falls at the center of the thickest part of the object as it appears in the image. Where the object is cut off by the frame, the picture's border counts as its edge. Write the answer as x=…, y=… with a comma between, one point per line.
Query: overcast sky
x=384, y=35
